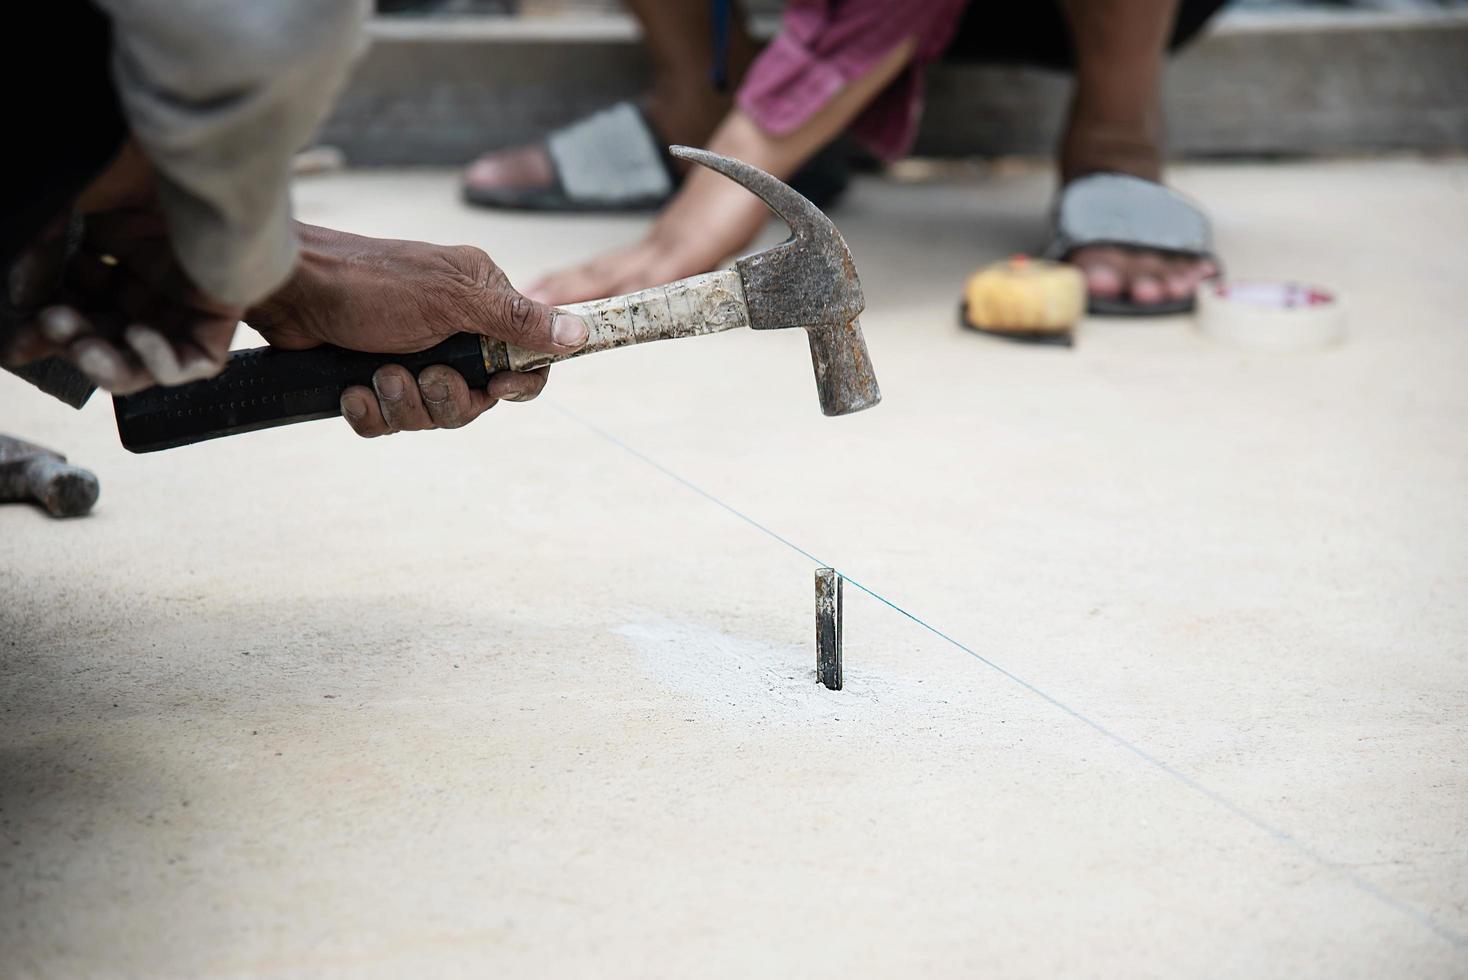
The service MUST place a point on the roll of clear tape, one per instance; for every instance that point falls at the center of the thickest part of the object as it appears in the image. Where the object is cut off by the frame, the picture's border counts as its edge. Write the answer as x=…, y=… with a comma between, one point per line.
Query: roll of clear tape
x=1261, y=314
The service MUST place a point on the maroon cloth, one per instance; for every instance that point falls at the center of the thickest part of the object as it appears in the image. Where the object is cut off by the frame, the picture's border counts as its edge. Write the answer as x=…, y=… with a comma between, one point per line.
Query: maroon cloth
x=824, y=45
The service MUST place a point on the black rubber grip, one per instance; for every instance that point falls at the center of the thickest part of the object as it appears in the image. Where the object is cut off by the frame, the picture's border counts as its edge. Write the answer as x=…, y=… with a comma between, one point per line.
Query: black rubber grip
x=266, y=387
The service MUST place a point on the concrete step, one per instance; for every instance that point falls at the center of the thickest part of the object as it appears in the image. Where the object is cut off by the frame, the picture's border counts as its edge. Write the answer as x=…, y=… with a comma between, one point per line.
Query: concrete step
x=440, y=90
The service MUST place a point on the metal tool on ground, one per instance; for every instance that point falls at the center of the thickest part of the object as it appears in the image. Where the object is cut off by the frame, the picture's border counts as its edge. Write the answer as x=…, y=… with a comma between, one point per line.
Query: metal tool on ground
x=828, y=627
x=1027, y=299
x=34, y=473
x=808, y=281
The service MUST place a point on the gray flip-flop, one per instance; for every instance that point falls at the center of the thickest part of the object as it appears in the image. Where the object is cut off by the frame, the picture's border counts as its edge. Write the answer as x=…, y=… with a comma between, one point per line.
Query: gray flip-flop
x=1118, y=209
x=609, y=161
x=614, y=161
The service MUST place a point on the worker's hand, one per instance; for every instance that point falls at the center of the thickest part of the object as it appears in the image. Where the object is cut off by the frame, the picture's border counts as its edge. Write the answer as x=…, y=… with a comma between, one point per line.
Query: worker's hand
x=388, y=296
x=438, y=398
x=709, y=219
x=120, y=307
x=654, y=261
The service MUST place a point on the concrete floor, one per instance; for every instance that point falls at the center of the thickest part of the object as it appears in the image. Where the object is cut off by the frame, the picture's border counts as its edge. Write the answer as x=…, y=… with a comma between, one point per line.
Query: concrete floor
x=509, y=701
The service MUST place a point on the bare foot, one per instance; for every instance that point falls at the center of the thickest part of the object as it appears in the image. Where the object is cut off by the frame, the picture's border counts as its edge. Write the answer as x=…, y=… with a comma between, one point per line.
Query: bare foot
x=1142, y=276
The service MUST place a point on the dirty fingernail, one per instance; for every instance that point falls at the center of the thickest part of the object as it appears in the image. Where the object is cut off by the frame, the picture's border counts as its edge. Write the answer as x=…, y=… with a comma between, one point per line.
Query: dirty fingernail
x=509, y=387
x=353, y=407
x=388, y=386
x=569, y=330
x=434, y=391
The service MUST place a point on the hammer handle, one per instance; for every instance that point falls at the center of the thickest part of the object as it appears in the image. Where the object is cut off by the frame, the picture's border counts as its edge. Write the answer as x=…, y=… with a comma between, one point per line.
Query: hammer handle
x=690, y=307
x=265, y=387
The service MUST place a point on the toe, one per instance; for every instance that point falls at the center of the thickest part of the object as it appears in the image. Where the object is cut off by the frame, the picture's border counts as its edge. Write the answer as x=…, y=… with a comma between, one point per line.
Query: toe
x=1146, y=275
x=1103, y=281
x=524, y=167
x=1147, y=290
x=1179, y=285
x=1101, y=265
x=1194, y=272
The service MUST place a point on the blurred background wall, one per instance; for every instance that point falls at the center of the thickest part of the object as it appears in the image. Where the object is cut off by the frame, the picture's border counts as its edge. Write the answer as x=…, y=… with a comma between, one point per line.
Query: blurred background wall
x=447, y=79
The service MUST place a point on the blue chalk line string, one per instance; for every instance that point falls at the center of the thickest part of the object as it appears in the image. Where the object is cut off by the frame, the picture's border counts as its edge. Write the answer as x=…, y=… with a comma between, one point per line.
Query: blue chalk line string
x=1422, y=918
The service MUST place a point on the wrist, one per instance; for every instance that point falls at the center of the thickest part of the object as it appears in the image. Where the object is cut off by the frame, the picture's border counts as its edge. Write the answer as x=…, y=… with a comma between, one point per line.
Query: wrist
x=312, y=272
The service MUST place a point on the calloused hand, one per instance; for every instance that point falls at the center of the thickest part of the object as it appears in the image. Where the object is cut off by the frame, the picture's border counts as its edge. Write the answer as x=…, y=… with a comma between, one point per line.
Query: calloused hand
x=392, y=297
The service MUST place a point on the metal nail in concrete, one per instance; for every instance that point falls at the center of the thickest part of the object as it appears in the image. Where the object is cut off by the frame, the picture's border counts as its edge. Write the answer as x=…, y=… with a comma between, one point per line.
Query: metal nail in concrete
x=828, y=628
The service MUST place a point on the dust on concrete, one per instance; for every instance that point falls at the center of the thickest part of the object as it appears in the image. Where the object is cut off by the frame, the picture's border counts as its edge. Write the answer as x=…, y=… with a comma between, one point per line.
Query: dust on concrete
x=745, y=680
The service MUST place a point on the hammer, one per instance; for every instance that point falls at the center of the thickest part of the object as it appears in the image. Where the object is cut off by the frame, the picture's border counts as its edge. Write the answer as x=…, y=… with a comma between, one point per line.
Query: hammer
x=806, y=281
x=31, y=472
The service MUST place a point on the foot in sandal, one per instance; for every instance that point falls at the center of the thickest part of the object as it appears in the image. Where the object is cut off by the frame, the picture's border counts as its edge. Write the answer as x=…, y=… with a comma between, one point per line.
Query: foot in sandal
x=616, y=159
x=1143, y=248
x=612, y=160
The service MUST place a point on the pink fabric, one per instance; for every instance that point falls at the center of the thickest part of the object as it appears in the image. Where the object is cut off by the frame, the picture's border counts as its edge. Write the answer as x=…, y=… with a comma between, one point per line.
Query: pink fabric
x=824, y=45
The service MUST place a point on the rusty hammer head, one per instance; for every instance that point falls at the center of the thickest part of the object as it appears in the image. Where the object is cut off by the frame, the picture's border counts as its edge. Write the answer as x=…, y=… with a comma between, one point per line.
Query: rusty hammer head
x=806, y=281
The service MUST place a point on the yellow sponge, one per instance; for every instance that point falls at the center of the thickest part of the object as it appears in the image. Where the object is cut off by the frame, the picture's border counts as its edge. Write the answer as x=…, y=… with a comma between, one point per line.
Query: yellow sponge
x=1025, y=297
